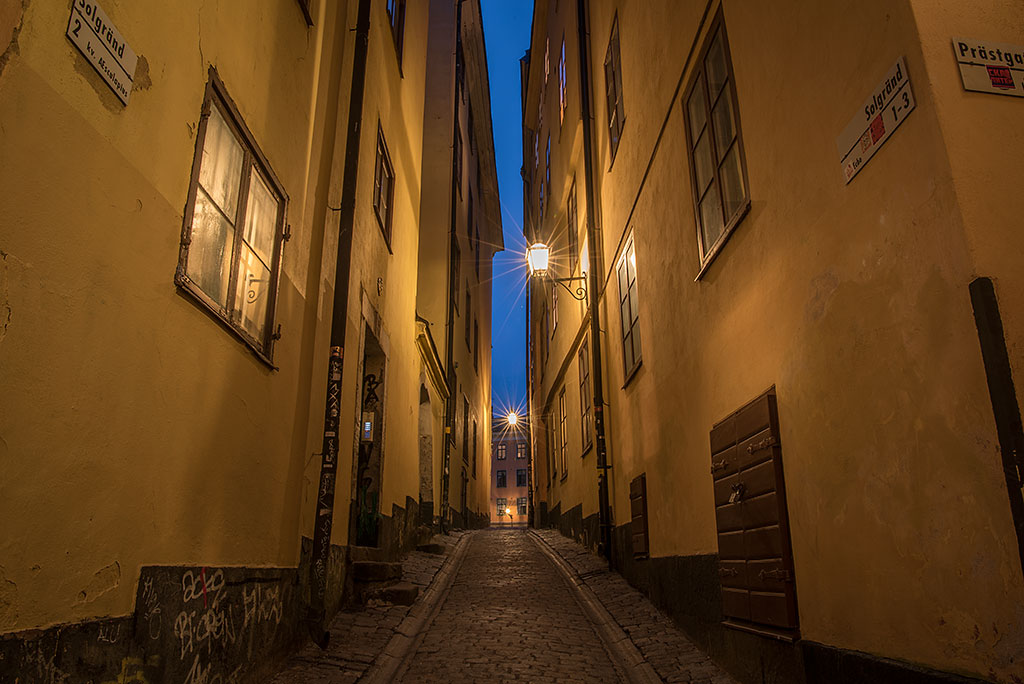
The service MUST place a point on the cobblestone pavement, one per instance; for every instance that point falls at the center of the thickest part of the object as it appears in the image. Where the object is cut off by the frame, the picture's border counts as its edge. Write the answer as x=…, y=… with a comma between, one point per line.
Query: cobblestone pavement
x=510, y=616
x=359, y=636
x=668, y=650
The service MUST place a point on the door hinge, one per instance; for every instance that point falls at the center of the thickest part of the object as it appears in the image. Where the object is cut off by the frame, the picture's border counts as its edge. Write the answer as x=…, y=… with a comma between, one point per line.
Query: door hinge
x=780, y=575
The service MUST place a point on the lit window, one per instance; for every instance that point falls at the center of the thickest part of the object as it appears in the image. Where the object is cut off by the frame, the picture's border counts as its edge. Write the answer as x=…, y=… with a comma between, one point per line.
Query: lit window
x=717, y=164
x=231, y=245
x=629, y=309
x=502, y=505
x=613, y=88
x=500, y=452
x=383, y=188
x=586, y=415
x=561, y=432
x=520, y=451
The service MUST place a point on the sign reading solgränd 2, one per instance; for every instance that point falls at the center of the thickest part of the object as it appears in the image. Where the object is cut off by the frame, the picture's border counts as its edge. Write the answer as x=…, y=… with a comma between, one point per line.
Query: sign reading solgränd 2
x=990, y=67
x=92, y=32
x=881, y=114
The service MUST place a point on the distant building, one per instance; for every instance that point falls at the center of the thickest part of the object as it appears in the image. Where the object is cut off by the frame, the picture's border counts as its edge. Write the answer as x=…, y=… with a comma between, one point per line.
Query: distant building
x=510, y=475
x=799, y=229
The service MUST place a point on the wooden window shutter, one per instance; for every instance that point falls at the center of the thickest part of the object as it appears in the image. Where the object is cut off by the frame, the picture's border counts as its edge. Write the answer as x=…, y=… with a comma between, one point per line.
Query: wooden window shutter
x=754, y=548
x=638, y=512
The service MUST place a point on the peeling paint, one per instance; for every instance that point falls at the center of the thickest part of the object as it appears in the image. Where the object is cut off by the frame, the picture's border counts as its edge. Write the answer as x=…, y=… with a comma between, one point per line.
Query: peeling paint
x=142, y=79
x=12, y=16
x=105, y=579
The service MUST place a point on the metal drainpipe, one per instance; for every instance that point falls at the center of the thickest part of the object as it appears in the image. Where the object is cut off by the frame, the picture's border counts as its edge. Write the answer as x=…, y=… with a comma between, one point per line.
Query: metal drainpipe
x=596, y=269
x=324, y=512
x=449, y=409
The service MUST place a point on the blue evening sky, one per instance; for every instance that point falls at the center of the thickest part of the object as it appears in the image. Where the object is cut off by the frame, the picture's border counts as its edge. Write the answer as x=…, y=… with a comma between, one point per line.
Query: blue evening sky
x=507, y=36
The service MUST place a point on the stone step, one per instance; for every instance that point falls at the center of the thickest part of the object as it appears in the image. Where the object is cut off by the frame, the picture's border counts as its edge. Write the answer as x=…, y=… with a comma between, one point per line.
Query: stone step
x=432, y=547
x=375, y=571
x=402, y=593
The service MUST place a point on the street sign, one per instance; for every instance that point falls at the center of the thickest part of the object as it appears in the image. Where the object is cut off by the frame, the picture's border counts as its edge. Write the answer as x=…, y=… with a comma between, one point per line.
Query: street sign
x=881, y=114
x=95, y=36
x=990, y=67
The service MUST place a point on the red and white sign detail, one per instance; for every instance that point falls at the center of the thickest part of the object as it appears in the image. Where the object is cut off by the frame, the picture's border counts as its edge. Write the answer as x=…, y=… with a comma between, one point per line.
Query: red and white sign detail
x=990, y=67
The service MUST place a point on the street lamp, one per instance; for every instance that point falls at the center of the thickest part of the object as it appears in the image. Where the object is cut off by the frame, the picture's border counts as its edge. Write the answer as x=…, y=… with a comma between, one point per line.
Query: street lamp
x=538, y=257
x=508, y=512
x=512, y=419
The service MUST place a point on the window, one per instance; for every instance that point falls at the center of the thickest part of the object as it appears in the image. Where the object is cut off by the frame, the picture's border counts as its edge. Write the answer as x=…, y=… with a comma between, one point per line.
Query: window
x=520, y=451
x=521, y=505
x=638, y=516
x=500, y=452
x=586, y=416
x=465, y=429
x=456, y=265
x=613, y=88
x=561, y=85
x=502, y=505
x=476, y=346
x=457, y=158
x=717, y=164
x=396, y=17
x=501, y=479
x=629, y=309
x=520, y=477
x=554, y=309
x=547, y=165
x=573, y=227
x=383, y=188
x=468, y=315
x=561, y=432
x=232, y=235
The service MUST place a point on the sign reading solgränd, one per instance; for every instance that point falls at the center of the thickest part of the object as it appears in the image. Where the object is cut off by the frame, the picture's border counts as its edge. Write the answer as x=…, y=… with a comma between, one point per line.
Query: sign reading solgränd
x=878, y=117
x=92, y=32
x=990, y=67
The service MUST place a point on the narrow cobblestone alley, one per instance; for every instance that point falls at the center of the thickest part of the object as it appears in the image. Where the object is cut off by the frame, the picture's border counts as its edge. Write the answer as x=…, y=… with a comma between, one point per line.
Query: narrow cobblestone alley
x=509, y=615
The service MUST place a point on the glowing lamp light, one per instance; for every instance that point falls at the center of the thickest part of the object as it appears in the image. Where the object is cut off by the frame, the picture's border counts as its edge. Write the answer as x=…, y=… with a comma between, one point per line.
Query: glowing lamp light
x=537, y=258
x=508, y=511
x=512, y=418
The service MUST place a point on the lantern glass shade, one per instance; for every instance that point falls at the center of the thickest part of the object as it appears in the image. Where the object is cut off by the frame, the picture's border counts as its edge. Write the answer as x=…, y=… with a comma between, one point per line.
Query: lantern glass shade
x=537, y=258
x=512, y=418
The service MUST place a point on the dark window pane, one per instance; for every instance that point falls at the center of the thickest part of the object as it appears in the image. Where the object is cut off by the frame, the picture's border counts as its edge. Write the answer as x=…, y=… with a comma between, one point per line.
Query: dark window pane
x=733, y=190
x=724, y=124
x=697, y=108
x=711, y=217
x=717, y=69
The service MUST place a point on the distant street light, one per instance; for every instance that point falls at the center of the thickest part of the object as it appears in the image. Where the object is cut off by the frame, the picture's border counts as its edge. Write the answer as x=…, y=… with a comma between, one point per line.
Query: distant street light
x=508, y=512
x=512, y=419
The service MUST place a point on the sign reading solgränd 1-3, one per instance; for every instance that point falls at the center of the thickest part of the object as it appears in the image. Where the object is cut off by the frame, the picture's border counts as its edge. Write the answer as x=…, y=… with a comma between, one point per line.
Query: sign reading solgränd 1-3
x=878, y=117
x=92, y=32
x=990, y=67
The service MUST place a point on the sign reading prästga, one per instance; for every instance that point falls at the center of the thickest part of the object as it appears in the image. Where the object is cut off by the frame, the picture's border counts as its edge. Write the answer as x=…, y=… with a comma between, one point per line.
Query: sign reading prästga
x=885, y=109
x=95, y=36
x=987, y=67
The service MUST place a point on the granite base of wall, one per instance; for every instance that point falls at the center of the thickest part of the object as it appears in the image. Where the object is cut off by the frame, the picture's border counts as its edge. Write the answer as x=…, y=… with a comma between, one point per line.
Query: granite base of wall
x=687, y=589
x=195, y=624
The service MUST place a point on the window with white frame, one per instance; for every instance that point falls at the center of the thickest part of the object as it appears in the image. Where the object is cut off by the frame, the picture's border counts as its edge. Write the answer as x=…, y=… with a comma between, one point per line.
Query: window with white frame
x=520, y=451
x=629, y=311
x=499, y=452
x=502, y=505
x=233, y=231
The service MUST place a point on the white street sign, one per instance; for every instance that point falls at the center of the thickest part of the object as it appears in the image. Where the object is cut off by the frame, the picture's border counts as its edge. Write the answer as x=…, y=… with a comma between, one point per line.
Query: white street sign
x=878, y=117
x=92, y=32
x=990, y=67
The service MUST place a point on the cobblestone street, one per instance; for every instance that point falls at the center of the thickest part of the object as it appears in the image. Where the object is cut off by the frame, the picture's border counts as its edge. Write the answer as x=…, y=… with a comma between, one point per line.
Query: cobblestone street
x=510, y=616
x=507, y=606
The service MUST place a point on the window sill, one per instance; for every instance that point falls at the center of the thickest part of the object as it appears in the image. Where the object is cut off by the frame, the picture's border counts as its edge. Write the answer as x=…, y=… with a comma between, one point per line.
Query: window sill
x=587, y=448
x=632, y=373
x=720, y=244
x=187, y=290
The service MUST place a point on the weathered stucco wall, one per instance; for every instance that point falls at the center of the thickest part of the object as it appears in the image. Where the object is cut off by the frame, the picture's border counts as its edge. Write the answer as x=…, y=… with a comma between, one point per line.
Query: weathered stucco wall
x=135, y=429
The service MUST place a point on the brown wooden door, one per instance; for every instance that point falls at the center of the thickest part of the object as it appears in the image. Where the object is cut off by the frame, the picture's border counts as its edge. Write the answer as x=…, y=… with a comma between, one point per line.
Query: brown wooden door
x=755, y=553
x=638, y=516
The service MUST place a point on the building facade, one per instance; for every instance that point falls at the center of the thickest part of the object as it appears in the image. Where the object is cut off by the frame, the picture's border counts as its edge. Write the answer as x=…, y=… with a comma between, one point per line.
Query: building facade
x=216, y=340
x=794, y=361
x=510, y=475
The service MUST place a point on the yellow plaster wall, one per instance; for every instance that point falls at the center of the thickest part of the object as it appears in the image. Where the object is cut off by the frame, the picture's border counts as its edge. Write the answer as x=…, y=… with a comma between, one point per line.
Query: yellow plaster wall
x=135, y=430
